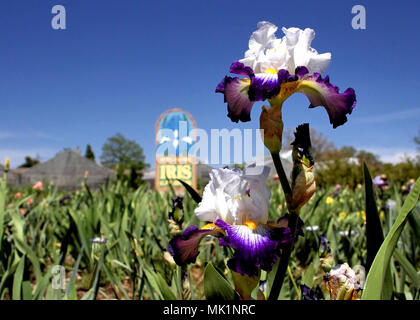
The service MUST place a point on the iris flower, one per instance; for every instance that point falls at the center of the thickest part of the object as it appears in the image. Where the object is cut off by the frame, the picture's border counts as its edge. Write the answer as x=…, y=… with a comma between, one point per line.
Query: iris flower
x=236, y=203
x=274, y=69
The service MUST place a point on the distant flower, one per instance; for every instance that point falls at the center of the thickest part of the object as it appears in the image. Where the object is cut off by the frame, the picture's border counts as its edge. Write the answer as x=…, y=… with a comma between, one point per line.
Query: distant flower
x=342, y=215
x=312, y=228
x=177, y=212
x=38, y=186
x=6, y=165
x=351, y=233
x=337, y=189
x=30, y=201
x=99, y=240
x=324, y=246
x=307, y=293
x=236, y=204
x=380, y=181
x=9, y=205
x=391, y=204
x=63, y=200
x=274, y=69
x=18, y=195
x=329, y=200
x=22, y=211
x=362, y=214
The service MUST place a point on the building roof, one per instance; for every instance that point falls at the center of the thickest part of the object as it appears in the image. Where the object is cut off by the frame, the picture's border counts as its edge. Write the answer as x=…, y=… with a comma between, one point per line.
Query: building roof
x=67, y=170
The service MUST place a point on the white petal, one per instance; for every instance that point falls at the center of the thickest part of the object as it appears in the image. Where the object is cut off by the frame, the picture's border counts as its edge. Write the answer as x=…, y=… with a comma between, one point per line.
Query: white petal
x=319, y=62
x=291, y=35
x=262, y=36
x=301, y=52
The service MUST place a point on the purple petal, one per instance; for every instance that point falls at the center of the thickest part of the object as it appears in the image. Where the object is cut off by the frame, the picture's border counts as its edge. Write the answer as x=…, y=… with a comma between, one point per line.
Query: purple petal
x=235, y=91
x=284, y=222
x=254, y=249
x=321, y=92
x=301, y=71
x=285, y=76
x=184, y=247
x=264, y=86
x=239, y=68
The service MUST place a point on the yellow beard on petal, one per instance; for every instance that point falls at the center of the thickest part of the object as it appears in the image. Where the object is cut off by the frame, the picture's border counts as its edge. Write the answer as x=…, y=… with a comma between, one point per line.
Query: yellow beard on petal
x=270, y=71
x=251, y=225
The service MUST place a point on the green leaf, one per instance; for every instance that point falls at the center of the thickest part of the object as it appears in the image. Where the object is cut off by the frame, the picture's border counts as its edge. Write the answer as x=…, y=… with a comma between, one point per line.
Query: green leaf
x=158, y=283
x=414, y=221
x=374, y=234
x=17, y=279
x=196, y=197
x=26, y=290
x=408, y=267
x=167, y=294
x=216, y=286
x=375, y=279
x=308, y=276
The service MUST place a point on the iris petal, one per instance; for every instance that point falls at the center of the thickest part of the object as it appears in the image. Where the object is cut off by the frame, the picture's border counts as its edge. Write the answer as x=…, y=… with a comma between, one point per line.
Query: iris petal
x=254, y=249
x=264, y=86
x=235, y=91
x=321, y=92
x=184, y=247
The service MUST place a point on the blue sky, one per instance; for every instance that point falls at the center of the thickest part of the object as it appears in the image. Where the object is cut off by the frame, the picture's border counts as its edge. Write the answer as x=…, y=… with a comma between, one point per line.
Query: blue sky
x=120, y=64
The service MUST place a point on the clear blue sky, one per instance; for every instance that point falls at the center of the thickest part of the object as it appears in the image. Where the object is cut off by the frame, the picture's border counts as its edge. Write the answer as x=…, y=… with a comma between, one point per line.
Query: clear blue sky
x=120, y=64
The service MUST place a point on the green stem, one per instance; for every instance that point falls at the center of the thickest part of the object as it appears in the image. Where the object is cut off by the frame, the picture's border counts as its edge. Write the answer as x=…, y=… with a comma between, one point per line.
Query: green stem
x=282, y=176
x=284, y=261
x=293, y=218
x=293, y=281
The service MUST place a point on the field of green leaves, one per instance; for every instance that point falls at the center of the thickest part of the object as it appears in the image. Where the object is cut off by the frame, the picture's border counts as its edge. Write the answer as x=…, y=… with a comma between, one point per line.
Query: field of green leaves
x=113, y=244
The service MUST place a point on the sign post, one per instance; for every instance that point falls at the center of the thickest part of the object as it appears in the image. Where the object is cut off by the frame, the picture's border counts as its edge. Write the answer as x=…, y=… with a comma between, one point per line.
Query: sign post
x=175, y=135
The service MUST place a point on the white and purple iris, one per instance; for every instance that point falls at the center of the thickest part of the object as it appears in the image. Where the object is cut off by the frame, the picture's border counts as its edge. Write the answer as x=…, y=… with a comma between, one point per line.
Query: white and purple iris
x=275, y=68
x=236, y=204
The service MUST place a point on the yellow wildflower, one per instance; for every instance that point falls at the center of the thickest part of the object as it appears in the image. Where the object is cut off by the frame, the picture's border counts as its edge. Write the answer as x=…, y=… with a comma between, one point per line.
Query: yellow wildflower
x=342, y=215
x=329, y=200
x=382, y=215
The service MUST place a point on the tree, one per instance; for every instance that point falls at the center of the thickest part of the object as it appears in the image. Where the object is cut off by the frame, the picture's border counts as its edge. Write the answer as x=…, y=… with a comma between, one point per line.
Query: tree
x=126, y=157
x=29, y=162
x=89, y=153
x=118, y=150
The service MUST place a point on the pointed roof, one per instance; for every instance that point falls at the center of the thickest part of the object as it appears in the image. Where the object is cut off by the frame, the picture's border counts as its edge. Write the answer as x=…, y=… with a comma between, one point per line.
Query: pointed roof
x=67, y=170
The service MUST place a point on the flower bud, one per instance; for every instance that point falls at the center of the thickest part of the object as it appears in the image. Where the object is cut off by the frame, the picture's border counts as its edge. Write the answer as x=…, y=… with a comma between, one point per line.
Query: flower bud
x=7, y=165
x=303, y=187
x=271, y=125
x=326, y=263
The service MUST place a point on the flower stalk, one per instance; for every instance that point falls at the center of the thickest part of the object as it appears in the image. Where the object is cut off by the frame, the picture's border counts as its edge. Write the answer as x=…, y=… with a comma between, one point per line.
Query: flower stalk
x=296, y=196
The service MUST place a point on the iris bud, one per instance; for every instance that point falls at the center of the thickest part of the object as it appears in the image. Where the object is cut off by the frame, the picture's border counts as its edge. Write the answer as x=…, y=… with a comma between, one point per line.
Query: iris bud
x=303, y=187
x=271, y=125
x=7, y=165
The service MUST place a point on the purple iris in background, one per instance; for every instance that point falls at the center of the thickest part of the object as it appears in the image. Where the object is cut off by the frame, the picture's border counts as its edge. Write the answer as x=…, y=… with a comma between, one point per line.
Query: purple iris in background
x=274, y=69
x=380, y=181
x=236, y=204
